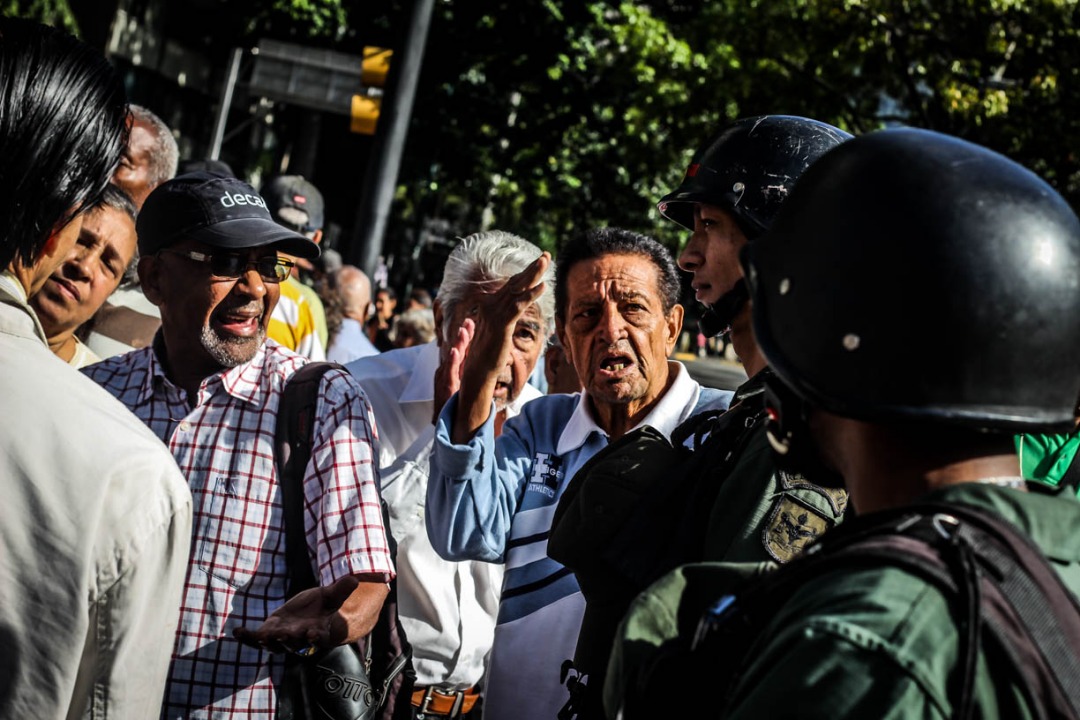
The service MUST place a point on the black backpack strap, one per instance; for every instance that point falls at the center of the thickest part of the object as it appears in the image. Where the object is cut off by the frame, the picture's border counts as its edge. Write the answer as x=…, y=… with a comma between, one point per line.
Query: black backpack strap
x=292, y=445
x=387, y=651
x=1071, y=479
x=1033, y=616
x=1008, y=596
x=901, y=538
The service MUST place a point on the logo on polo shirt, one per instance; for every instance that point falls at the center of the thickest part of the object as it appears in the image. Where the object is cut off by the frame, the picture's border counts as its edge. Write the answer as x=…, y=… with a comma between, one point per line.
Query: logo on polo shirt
x=233, y=199
x=546, y=475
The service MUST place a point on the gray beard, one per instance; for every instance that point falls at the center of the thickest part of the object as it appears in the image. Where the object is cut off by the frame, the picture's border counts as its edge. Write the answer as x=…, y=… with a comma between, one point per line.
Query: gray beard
x=232, y=351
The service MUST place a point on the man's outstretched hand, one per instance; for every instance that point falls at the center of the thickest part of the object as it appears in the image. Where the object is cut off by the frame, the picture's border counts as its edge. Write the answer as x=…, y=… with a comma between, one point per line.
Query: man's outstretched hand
x=319, y=618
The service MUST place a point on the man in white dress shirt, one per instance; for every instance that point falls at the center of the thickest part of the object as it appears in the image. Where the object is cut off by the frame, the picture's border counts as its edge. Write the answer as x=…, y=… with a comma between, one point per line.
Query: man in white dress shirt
x=448, y=609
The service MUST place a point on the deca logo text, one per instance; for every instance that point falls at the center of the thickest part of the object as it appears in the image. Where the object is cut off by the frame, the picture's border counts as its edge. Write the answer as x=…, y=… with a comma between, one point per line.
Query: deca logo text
x=241, y=199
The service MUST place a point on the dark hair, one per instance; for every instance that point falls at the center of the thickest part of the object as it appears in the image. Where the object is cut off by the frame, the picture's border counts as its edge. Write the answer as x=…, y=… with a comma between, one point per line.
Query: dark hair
x=616, y=241
x=116, y=198
x=421, y=296
x=386, y=290
x=63, y=128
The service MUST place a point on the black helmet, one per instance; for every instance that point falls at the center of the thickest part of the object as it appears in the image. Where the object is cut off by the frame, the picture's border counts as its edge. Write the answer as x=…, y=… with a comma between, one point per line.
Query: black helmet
x=916, y=275
x=749, y=168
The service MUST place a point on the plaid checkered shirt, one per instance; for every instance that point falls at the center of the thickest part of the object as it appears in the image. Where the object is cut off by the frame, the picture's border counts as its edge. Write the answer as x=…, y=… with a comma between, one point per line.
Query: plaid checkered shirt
x=237, y=573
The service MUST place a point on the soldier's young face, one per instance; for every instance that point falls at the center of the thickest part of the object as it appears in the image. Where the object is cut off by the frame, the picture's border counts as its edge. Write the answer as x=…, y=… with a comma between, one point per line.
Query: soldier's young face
x=712, y=253
x=615, y=330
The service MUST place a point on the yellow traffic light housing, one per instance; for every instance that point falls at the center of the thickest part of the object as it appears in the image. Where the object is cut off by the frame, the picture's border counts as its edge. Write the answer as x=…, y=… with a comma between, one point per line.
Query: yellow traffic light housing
x=365, y=108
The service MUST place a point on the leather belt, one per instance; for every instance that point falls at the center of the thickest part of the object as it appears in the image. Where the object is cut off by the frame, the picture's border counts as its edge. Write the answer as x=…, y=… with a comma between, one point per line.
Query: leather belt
x=434, y=700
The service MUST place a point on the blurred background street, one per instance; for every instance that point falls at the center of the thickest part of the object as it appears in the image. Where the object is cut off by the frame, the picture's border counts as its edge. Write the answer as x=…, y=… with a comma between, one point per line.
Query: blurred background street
x=712, y=371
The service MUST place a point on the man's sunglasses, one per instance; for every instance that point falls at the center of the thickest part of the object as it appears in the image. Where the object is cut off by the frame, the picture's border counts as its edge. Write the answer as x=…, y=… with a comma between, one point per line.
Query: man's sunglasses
x=231, y=265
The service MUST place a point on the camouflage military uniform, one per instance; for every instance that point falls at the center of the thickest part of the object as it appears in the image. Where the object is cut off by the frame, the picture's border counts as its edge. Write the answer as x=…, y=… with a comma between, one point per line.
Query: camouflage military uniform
x=760, y=513
x=869, y=642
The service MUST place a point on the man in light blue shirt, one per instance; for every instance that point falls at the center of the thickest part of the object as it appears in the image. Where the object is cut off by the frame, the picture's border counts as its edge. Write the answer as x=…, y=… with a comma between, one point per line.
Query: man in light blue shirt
x=351, y=342
x=448, y=609
x=618, y=317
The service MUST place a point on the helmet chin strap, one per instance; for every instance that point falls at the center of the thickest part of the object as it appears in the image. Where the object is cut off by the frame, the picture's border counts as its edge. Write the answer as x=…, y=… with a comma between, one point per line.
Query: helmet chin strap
x=718, y=317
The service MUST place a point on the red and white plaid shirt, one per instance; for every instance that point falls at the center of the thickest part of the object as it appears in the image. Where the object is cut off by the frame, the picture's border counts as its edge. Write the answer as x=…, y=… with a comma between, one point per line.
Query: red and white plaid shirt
x=237, y=572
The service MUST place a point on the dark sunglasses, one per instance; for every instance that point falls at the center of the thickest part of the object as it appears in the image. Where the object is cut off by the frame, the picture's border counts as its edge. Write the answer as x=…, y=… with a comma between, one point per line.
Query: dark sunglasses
x=231, y=266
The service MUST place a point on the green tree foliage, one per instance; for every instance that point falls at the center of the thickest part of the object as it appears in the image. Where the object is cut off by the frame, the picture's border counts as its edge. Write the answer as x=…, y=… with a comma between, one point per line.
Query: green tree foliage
x=50, y=12
x=548, y=117
x=561, y=116
x=991, y=71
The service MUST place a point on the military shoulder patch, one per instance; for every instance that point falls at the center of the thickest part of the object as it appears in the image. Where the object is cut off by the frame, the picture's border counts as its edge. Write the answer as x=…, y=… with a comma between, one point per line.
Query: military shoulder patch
x=836, y=497
x=791, y=527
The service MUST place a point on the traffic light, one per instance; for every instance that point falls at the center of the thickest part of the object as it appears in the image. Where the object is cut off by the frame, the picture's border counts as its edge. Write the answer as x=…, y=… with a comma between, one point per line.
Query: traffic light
x=366, y=106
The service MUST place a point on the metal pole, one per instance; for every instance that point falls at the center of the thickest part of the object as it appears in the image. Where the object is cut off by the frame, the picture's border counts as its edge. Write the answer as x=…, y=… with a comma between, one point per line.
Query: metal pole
x=226, y=102
x=380, y=176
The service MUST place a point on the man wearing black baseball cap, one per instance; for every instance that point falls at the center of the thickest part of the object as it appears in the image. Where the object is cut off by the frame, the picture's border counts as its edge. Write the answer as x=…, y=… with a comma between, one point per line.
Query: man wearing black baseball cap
x=209, y=387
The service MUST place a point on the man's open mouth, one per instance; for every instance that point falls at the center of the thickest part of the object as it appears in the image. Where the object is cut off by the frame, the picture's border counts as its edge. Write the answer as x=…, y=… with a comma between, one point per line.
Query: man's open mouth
x=615, y=364
x=239, y=322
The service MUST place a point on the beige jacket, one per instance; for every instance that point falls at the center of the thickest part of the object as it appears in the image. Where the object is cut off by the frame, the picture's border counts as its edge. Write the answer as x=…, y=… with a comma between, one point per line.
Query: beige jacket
x=95, y=526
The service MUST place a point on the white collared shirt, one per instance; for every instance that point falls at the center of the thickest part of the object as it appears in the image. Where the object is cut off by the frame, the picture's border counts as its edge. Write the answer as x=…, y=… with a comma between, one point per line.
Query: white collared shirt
x=448, y=609
x=675, y=405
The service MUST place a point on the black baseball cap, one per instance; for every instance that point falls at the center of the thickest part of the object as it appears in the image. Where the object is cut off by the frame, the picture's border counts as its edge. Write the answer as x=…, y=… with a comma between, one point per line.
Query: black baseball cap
x=220, y=211
x=294, y=191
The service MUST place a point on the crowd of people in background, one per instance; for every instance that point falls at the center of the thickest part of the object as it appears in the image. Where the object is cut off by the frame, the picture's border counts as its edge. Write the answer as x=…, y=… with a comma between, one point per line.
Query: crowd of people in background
x=566, y=523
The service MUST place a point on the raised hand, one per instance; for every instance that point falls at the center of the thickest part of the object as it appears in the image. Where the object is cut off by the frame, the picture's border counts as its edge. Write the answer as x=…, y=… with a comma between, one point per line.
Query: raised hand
x=488, y=350
x=451, y=365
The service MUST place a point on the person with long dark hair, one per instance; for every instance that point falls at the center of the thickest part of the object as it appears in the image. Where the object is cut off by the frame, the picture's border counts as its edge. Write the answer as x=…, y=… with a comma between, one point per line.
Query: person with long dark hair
x=96, y=516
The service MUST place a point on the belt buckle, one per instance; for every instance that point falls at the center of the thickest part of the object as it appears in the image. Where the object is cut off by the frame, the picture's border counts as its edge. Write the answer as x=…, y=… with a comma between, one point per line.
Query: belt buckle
x=455, y=711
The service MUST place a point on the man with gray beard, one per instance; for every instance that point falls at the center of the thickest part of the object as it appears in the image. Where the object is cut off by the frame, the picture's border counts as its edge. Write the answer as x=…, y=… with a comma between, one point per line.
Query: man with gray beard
x=209, y=386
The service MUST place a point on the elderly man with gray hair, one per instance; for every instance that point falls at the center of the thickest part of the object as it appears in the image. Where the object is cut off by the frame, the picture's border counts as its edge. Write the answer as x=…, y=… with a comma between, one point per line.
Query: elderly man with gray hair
x=151, y=155
x=448, y=609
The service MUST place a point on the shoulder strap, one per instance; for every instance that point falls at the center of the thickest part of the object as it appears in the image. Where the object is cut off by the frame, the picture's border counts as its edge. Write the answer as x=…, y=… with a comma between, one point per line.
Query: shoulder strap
x=387, y=651
x=292, y=449
x=1033, y=616
x=1003, y=588
x=1071, y=478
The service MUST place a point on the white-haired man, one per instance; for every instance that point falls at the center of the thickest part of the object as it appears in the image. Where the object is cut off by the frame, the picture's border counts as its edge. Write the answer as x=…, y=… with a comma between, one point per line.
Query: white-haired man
x=448, y=608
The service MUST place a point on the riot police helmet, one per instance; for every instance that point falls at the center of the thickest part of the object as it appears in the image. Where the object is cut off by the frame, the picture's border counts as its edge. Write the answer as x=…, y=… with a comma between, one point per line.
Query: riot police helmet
x=915, y=275
x=749, y=168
